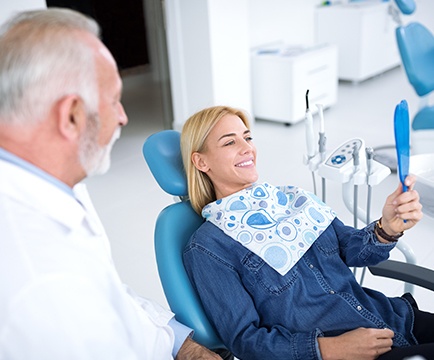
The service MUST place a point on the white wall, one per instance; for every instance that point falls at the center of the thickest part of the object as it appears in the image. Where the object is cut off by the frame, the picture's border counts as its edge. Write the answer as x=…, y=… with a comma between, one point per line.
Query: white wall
x=287, y=21
x=209, y=43
x=8, y=7
x=208, y=49
x=425, y=13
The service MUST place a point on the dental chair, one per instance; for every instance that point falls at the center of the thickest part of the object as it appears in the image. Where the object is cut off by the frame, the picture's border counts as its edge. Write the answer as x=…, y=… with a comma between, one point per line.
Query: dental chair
x=174, y=227
x=416, y=48
x=177, y=222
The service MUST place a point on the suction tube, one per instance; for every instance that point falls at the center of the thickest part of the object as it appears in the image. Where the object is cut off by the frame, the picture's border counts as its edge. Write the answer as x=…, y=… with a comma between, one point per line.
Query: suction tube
x=310, y=137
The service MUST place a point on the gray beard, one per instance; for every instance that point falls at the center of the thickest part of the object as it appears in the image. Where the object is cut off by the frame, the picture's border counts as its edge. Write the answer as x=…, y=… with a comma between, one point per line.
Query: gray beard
x=95, y=159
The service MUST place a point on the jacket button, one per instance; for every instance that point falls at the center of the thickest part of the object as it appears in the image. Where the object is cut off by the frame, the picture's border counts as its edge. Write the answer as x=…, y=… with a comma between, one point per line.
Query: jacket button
x=311, y=266
x=332, y=292
x=359, y=308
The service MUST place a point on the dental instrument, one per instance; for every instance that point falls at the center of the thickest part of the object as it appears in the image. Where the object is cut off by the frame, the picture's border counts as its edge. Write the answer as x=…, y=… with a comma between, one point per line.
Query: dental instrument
x=369, y=159
x=309, y=129
x=322, y=146
x=310, y=138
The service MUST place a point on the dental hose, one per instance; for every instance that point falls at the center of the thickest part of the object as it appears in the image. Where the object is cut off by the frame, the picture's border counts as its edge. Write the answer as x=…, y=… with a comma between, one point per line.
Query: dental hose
x=321, y=142
x=356, y=162
x=369, y=160
x=314, y=182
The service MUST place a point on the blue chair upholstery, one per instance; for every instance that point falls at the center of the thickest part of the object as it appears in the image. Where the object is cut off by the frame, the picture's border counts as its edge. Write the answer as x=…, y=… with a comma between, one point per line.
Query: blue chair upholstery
x=416, y=48
x=163, y=155
x=407, y=7
x=174, y=227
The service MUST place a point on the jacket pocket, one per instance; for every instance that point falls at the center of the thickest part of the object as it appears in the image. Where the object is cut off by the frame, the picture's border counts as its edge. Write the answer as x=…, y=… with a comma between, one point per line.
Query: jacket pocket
x=327, y=243
x=265, y=276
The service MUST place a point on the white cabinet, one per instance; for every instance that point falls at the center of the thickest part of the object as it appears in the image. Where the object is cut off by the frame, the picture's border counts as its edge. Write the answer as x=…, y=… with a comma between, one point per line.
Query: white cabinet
x=280, y=79
x=365, y=35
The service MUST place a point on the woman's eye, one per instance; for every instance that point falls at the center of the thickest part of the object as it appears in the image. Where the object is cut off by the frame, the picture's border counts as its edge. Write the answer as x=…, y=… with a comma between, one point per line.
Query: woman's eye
x=249, y=138
x=230, y=143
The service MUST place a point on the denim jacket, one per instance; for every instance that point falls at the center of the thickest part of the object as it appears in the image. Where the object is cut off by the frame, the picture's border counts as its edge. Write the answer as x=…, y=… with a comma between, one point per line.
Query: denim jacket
x=260, y=314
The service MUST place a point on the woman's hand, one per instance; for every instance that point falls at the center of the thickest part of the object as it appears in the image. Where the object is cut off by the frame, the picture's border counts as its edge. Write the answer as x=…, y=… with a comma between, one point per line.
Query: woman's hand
x=358, y=344
x=402, y=206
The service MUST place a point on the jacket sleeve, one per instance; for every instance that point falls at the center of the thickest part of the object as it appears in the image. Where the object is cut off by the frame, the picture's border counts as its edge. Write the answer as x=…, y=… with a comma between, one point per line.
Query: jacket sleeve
x=233, y=313
x=360, y=247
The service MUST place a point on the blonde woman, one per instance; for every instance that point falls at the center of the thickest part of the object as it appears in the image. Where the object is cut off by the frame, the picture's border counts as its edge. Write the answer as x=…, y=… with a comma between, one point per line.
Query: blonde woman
x=271, y=264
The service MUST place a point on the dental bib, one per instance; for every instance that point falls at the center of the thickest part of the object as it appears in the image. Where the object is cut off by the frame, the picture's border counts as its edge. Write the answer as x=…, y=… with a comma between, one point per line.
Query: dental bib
x=279, y=224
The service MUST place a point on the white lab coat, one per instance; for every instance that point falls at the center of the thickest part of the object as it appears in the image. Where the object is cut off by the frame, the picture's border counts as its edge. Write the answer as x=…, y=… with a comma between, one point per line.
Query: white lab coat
x=60, y=295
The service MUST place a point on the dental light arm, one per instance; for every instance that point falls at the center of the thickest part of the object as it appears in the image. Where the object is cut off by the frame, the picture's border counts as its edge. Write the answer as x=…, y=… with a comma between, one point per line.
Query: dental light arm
x=309, y=130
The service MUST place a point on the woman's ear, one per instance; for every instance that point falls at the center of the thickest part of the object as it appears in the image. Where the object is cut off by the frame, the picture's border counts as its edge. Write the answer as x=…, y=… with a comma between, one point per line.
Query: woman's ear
x=199, y=162
x=71, y=115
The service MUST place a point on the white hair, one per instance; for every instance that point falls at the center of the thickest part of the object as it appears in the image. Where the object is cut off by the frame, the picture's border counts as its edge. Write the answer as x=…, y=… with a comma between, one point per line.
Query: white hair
x=43, y=60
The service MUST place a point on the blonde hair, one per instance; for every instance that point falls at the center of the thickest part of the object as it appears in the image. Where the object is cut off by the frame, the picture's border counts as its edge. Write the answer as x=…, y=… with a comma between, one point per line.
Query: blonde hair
x=193, y=137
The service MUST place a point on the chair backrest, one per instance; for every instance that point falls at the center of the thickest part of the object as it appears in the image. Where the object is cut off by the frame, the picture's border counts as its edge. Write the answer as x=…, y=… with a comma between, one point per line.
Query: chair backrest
x=407, y=7
x=174, y=227
x=416, y=47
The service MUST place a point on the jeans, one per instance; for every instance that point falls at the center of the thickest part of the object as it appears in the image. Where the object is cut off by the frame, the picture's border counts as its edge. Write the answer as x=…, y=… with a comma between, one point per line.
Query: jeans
x=424, y=333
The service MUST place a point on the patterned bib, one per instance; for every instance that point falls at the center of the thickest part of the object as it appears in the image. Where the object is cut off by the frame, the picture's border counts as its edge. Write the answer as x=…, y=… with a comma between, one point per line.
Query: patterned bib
x=279, y=224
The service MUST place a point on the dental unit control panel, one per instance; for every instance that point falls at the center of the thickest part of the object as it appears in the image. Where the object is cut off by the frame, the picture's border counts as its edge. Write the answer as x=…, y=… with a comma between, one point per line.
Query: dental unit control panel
x=343, y=155
x=349, y=162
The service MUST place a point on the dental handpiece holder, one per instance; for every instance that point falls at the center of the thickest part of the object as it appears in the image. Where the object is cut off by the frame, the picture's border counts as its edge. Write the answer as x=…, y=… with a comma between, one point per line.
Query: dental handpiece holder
x=340, y=167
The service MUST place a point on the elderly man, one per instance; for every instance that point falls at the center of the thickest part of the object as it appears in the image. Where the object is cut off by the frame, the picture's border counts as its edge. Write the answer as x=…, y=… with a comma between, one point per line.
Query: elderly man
x=60, y=113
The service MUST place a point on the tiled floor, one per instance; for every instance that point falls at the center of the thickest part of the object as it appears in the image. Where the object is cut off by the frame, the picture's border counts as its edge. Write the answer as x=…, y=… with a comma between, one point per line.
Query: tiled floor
x=128, y=199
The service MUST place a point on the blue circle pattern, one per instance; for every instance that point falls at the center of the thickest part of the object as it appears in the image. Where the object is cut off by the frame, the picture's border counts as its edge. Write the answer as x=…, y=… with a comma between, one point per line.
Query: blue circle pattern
x=279, y=224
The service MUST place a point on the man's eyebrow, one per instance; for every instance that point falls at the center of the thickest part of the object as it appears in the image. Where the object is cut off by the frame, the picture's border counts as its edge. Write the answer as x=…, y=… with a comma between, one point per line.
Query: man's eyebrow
x=233, y=134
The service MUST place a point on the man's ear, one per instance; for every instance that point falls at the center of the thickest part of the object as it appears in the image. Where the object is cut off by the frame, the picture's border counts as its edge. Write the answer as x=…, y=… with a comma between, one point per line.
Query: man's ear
x=199, y=162
x=71, y=115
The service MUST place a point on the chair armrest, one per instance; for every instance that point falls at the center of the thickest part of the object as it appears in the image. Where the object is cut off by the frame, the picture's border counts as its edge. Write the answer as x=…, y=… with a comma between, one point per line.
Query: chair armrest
x=406, y=272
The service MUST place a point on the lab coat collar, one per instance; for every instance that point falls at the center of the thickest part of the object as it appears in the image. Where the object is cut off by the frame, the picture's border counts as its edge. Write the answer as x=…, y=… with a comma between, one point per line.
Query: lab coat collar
x=16, y=160
x=26, y=187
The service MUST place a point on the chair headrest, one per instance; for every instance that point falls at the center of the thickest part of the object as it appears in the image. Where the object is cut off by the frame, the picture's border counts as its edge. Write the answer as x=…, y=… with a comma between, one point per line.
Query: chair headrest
x=416, y=45
x=407, y=7
x=162, y=153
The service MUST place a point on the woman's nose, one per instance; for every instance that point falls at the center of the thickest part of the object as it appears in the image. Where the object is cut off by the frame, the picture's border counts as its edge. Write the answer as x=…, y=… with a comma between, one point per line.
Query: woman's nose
x=246, y=148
